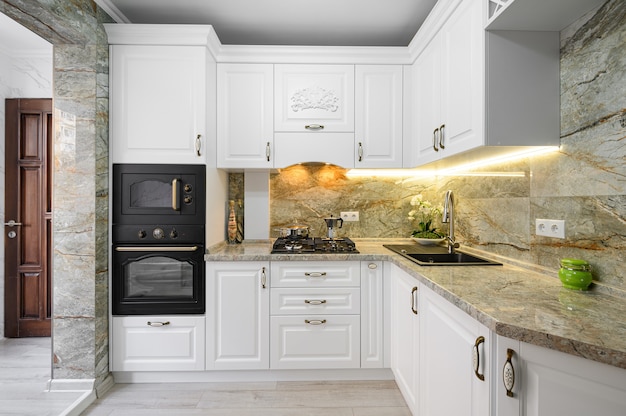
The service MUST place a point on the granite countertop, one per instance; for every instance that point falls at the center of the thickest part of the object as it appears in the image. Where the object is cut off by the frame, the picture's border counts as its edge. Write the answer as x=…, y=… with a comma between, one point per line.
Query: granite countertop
x=522, y=302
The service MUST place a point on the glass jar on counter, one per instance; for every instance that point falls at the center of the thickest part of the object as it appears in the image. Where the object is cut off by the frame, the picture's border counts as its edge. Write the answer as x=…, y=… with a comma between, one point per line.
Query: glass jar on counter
x=575, y=274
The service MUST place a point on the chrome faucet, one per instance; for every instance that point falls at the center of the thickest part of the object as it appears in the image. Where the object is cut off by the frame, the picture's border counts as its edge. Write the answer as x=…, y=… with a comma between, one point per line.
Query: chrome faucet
x=448, y=217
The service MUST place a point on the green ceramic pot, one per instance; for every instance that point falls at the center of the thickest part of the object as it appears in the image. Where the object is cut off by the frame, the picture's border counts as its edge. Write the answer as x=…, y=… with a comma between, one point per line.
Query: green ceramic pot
x=575, y=274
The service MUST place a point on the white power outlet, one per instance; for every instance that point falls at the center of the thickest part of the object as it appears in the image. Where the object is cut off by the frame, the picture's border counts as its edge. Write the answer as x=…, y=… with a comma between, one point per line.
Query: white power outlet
x=350, y=215
x=550, y=228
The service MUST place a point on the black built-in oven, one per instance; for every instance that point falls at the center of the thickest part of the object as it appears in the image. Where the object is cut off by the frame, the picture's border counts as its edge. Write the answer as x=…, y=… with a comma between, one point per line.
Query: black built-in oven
x=158, y=237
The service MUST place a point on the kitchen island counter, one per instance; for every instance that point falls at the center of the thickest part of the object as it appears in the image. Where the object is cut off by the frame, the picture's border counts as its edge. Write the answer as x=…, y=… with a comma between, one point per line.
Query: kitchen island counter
x=516, y=300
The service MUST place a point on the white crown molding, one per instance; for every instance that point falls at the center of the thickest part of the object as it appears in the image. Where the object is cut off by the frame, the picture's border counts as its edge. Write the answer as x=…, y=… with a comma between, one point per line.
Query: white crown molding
x=432, y=24
x=112, y=11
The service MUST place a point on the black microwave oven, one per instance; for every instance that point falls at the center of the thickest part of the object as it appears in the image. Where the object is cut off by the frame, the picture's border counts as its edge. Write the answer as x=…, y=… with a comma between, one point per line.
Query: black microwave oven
x=159, y=194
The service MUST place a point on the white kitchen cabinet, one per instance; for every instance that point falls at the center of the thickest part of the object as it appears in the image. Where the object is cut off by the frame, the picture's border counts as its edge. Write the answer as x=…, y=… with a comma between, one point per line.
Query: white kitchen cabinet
x=158, y=107
x=548, y=382
x=449, y=84
x=334, y=148
x=158, y=343
x=477, y=94
x=378, y=116
x=237, y=315
x=454, y=359
x=372, y=315
x=315, y=320
x=405, y=335
x=245, y=115
x=314, y=98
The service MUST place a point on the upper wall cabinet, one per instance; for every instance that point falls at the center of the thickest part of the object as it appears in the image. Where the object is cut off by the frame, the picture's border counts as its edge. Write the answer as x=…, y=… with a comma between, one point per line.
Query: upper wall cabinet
x=245, y=115
x=314, y=98
x=488, y=92
x=378, y=116
x=158, y=103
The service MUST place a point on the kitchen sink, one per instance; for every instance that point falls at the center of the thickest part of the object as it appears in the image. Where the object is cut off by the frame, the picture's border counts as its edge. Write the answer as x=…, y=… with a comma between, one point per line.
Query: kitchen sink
x=437, y=256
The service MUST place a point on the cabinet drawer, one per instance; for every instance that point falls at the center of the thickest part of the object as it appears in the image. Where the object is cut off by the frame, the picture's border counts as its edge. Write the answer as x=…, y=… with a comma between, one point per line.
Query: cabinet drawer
x=315, y=274
x=300, y=301
x=319, y=341
x=145, y=343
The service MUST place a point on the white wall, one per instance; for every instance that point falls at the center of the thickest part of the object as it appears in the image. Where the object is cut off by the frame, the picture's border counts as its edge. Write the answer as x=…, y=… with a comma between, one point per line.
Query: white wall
x=25, y=72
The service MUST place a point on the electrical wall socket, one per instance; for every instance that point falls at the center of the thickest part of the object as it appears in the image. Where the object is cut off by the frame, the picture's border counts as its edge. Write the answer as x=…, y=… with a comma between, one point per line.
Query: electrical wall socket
x=350, y=215
x=550, y=228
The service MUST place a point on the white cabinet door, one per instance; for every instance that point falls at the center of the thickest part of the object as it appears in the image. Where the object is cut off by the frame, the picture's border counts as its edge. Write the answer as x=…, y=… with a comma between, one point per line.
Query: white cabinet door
x=157, y=343
x=462, y=82
x=314, y=98
x=405, y=335
x=378, y=116
x=548, y=382
x=372, y=314
x=158, y=104
x=450, y=343
x=317, y=341
x=449, y=85
x=237, y=315
x=245, y=115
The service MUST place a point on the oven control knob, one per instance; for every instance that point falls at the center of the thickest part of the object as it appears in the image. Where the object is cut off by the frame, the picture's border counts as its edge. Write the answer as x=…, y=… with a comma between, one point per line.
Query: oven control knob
x=187, y=188
x=158, y=233
x=141, y=234
x=173, y=233
x=188, y=199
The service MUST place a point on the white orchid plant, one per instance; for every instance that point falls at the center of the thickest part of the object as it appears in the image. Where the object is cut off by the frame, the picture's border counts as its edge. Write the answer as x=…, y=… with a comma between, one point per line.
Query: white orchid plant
x=423, y=214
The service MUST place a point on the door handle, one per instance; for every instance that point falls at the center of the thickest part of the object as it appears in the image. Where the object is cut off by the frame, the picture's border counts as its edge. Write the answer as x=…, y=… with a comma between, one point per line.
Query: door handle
x=12, y=223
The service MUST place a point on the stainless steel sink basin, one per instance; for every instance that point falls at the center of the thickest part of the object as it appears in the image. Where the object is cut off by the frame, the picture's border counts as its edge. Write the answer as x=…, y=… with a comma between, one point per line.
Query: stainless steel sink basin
x=435, y=256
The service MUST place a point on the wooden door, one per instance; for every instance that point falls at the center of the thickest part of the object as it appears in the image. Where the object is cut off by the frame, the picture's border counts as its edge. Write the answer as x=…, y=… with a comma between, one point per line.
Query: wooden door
x=28, y=204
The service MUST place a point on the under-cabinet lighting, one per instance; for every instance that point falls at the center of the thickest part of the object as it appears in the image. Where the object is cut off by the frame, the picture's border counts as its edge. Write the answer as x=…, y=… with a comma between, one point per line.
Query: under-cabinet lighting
x=460, y=170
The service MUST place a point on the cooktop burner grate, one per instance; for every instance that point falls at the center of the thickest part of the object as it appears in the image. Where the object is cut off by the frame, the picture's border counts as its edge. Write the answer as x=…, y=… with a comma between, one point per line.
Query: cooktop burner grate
x=313, y=245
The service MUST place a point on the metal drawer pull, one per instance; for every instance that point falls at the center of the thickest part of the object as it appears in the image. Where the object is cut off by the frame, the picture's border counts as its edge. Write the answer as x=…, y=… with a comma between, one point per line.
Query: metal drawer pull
x=314, y=127
x=413, y=300
x=315, y=274
x=157, y=248
x=315, y=321
x=435, y=140
x=263, y=278
x=158, y=323
x=12, y=223
x=198, y=145
x=441, y=137
x=508, y=373
x=315, y=301
x=476, y=358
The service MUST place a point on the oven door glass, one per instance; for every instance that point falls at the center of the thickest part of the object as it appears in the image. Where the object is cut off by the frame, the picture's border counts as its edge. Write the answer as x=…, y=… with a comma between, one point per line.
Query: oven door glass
x=160, y=281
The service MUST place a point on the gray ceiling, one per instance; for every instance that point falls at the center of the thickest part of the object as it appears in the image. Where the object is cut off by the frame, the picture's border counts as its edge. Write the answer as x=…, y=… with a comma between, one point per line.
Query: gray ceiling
x=285, y=22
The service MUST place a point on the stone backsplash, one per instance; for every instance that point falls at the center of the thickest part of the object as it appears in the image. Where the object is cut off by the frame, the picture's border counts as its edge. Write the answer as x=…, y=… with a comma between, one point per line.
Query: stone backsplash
x=496, y=207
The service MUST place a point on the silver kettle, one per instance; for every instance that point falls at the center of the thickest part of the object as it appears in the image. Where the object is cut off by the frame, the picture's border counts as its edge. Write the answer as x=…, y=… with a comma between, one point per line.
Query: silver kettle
x=332, y=224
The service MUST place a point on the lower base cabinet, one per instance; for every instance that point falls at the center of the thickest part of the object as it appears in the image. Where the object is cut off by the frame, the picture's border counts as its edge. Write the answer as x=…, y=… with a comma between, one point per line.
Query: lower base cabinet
x=536, y=381
x=158, y=343
x=315, y=341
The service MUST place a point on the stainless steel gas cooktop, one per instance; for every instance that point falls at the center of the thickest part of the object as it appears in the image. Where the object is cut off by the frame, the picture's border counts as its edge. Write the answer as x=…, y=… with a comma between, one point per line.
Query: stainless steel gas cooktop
x=310, y=245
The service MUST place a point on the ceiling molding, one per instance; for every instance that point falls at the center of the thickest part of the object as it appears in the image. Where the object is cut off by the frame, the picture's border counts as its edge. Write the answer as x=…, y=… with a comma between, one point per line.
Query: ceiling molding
x=112, y=11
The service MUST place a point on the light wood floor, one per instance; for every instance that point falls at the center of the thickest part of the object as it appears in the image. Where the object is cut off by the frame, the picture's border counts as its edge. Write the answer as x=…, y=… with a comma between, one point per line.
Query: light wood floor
x=25, y=367
x=335, y=398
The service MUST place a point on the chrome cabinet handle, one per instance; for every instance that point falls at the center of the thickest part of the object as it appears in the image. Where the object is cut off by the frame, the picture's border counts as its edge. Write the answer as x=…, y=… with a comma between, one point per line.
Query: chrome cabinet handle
x=476, y=357
x=360, y=151
x=414, y=300
x=508, y=373
x=263, y=278
x=12, y=223
x=198, y=145
x=441, y=136
x=315, y=301
x=315, y=274
x=435, y=139
x=314, y=127
x=155, y=324
x=315, y=321
x=267, y=151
